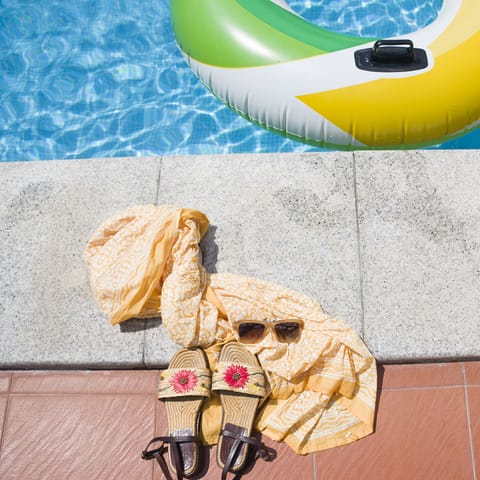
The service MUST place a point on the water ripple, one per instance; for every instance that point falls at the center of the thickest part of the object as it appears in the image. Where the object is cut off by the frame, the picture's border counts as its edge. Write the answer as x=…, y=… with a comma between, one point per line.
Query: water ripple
x=103, y=78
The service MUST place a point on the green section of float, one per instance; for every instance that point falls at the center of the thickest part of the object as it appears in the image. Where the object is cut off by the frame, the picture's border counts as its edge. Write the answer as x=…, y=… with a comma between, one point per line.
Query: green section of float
x=298, y=28
x=249, y=33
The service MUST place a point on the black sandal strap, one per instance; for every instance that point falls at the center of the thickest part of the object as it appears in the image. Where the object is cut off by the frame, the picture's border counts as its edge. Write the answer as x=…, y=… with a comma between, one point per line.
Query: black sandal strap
x=157, y=453
x=232, y=456
x=264, y=452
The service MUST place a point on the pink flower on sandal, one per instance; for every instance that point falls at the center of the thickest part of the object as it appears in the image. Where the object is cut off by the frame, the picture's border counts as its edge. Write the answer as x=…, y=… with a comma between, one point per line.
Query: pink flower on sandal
x=236, y=376
x=184, y=381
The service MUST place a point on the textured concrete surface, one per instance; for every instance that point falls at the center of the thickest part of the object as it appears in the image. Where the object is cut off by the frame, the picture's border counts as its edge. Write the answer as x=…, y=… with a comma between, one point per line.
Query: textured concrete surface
x=48, y=210
x=387, y=241
x=419, y=218
x=288, y=219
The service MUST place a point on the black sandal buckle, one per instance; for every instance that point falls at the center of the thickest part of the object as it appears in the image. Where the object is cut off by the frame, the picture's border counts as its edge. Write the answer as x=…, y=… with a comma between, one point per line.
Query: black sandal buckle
x=266, y=453
x=151, y=454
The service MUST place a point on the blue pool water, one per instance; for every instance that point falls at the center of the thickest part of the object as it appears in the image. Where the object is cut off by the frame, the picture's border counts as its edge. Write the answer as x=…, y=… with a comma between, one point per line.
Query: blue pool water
x=104, y=78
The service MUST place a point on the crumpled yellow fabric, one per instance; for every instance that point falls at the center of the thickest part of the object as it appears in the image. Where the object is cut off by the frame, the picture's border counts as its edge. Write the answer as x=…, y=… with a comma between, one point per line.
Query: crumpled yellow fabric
x=144, y=262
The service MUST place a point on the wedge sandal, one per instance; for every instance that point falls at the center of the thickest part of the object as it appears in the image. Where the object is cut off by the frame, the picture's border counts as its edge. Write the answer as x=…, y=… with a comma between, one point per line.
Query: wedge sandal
x=240, y=382
x=183, y=387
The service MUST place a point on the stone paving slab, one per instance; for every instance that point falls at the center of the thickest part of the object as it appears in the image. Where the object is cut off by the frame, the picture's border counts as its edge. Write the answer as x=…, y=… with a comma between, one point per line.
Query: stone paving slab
x=287, y=218
x=48, y=210
x=387, y=241
x=419, y=222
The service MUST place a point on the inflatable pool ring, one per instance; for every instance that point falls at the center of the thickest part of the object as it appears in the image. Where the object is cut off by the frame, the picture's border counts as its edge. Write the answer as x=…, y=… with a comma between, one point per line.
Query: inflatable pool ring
x=327, y=89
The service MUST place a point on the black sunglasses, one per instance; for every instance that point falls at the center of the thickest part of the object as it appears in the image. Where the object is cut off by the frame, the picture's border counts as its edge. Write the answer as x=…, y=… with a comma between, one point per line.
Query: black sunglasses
x=256, y=330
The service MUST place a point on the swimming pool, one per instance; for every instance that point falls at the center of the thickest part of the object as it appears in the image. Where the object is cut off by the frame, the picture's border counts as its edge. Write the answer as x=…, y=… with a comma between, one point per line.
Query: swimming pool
x=103, y=78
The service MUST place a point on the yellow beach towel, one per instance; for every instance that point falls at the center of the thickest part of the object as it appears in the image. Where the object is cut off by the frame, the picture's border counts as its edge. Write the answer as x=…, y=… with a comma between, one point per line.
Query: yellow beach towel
x=144, y=262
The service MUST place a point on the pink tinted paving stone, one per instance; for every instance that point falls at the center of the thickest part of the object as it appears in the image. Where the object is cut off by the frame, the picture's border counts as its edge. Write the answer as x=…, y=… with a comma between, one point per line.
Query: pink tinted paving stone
x=161, y=429
x=4, y=381
x=4, y=387
x=78, y=437
x=420, y=434
x=287, y=465
x=472, y=373
x=108, y=381
x=474, y=410
x=3, y=409
x=422, y=375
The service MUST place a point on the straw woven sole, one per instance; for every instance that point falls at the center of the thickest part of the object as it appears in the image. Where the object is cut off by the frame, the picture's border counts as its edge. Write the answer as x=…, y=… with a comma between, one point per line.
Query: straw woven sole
x=183, y=414
x=238, y=409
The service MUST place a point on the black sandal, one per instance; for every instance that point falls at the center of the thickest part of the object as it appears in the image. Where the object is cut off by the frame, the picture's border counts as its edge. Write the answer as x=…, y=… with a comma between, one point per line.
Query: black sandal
x=240, y=382
x=234, y=433
x=175, y=453
x=183, y=387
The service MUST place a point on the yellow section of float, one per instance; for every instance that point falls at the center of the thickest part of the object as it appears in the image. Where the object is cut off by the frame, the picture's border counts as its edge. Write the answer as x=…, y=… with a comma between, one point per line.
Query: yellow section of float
x=422, y=108
x=465, y=25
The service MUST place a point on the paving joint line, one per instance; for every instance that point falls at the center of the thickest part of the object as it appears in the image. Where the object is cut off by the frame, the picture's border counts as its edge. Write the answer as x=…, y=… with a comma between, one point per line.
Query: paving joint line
x=359, y=249
x=157, y=195
x=5, y=417
x=421, y=387
x=159, y=179
x=469, y=423
x=314, y=465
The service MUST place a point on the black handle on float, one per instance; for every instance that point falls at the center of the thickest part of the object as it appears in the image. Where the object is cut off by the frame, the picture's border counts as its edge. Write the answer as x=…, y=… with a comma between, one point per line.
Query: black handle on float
x=396, y=55
x=393, y=50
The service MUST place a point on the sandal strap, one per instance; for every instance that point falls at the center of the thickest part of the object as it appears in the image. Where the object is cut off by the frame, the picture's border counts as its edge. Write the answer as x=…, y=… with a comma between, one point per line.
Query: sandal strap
x=157, y=453
x=236, y=377
x=264, y=452
x=184, y=382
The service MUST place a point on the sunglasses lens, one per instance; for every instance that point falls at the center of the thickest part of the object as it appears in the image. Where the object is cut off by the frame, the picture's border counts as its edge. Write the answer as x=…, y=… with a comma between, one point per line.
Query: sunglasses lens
x=287, y=331
x=250, y=332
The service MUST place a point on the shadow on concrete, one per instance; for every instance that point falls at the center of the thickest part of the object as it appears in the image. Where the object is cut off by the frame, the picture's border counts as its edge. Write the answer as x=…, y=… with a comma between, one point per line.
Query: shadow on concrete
x=140, y=324
x=209, y=249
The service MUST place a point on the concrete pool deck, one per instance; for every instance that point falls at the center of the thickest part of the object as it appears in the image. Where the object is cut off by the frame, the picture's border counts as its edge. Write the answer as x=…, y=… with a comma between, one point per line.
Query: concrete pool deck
x=387, y=241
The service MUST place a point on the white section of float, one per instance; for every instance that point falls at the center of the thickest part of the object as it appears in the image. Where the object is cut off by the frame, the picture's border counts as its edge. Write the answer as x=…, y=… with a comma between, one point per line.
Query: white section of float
x=268, y=94
x=258, y=93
